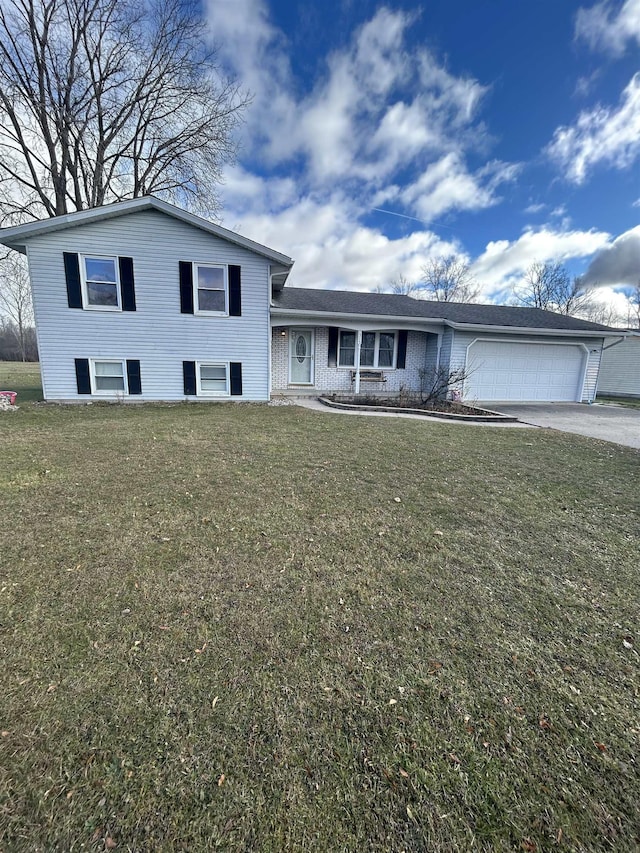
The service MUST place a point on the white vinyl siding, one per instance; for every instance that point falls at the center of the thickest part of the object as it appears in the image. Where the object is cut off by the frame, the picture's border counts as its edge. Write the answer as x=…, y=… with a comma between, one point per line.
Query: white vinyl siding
x=156, y=334
x=620, y=368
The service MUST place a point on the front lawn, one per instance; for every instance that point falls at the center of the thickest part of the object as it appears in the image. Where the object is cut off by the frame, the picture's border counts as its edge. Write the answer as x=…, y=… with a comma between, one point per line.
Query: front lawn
x=628, y=402
x=256, y=628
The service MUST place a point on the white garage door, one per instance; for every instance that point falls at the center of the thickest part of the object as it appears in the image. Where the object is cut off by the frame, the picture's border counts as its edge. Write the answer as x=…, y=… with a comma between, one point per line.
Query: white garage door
x=518, y=371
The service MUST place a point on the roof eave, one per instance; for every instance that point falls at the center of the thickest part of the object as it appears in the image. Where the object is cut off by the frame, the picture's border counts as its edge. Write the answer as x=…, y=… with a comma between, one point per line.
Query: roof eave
x=532, y=330
x=327, y=316
x=16, y=236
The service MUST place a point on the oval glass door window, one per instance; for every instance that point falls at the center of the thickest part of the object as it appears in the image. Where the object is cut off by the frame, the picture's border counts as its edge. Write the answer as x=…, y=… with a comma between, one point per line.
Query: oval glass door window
x=301, y=348
x=301, y=357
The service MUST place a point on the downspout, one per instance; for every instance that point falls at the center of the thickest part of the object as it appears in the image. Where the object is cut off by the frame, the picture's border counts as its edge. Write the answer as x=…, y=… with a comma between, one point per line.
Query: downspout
x=357, y=360
x=270, y=333
x=615, y=344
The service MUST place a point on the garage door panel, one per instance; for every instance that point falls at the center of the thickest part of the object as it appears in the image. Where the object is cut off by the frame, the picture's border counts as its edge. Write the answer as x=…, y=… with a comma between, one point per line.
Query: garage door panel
x=500, y=370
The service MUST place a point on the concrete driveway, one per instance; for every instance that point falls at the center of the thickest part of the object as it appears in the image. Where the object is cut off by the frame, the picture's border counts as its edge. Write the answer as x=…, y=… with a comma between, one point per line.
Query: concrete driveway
x=609, y=423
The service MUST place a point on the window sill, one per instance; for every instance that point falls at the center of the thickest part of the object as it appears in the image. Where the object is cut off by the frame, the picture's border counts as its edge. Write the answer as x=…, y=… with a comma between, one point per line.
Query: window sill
x=109, y=309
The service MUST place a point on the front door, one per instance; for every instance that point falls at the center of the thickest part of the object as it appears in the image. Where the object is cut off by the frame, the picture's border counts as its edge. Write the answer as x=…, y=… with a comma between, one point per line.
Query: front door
x=301, y=357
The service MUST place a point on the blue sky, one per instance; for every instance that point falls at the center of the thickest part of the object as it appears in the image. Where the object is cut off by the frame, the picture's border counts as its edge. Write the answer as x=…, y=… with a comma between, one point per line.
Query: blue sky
x=506, y=131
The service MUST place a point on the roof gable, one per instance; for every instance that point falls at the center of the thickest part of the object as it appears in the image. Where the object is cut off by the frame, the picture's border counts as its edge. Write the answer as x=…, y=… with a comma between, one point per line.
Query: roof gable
x=17, y=236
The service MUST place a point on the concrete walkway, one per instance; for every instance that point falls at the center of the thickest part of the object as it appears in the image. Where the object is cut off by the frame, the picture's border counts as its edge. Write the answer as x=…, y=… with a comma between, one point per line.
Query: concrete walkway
x=610, y=423
x=317, y=406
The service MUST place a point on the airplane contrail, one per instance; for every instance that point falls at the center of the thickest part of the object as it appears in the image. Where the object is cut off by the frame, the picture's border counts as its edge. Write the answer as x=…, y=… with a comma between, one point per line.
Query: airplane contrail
x=414, y=218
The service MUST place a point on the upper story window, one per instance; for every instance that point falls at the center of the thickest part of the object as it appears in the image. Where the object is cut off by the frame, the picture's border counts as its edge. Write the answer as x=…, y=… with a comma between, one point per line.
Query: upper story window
x=210, y=281
x=377, y=349
x=100, y=282
x=210, y=289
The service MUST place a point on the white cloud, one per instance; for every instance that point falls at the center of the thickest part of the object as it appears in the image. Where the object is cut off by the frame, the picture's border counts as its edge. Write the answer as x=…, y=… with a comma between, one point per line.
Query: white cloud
x=318, y=158
x=243, y=189
x=601, y=135
x=503, y=262
x=333, y=250
x=605, y=28
x=377, y=109
x=584, y=85
x=447, y=185
x=613, y=306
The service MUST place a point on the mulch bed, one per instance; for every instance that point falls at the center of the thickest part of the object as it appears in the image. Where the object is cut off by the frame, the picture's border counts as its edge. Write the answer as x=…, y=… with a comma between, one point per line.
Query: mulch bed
x=449, y=407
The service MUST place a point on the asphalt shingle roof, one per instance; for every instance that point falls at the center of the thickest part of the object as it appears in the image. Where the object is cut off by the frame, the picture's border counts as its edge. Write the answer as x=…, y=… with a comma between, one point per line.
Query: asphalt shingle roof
x=388, y=304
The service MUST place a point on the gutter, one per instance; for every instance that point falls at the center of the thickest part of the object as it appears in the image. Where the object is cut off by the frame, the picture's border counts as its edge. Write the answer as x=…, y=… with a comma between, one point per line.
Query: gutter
x=532, y=330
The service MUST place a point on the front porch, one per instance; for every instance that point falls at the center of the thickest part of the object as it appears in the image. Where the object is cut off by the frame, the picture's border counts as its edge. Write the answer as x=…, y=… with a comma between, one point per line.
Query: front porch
x=350, y=359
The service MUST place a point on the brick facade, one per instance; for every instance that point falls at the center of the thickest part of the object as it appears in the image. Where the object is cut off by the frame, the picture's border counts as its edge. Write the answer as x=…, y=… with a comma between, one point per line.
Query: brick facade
x=421, y=352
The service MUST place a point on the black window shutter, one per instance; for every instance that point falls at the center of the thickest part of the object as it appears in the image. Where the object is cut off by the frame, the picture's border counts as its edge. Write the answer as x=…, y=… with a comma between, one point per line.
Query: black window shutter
x=402, y=349
x=189, y=372
x=332, y=360
x=127, y=286
x=72, y=275
x=82, y=376
x=235, y=369
x=235, y=297
x=133, y=376
x=186, y=289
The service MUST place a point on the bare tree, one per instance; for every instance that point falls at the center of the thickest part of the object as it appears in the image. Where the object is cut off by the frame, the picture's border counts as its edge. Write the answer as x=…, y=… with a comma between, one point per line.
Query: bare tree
x=400, y=286
x=448, y=279
x=102, y=100
x=549, y=286
x=601, y=312
x=634, y=308
x=441, y=383
x=15, y=299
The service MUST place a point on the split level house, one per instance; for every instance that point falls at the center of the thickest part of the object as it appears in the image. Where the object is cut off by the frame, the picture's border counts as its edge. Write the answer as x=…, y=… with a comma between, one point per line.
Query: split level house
x=140, y=300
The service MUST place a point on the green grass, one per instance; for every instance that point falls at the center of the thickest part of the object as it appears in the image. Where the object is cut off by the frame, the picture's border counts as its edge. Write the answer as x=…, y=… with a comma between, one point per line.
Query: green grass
x=220, y=630
x=629, y=402
x=23, y=378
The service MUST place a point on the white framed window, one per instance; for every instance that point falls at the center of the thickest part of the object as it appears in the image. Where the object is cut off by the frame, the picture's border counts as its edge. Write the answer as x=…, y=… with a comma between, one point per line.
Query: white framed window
x=377, y=349
x=211, y=289
x=100, y=282
x=212, y=379
x=108, y=377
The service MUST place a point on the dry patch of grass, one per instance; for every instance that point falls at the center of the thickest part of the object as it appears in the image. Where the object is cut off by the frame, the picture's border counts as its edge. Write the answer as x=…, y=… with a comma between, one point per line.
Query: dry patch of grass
x=221, y=630
x=627, y=402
